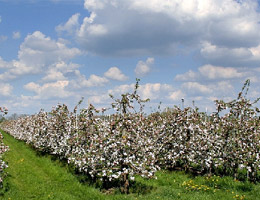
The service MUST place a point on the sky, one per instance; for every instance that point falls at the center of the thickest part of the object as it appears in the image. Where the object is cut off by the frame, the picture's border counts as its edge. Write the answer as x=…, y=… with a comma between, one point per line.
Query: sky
x=58, y=51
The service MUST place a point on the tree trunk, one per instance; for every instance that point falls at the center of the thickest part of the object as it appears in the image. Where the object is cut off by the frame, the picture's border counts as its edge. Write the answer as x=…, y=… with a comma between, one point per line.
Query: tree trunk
x=125, y=184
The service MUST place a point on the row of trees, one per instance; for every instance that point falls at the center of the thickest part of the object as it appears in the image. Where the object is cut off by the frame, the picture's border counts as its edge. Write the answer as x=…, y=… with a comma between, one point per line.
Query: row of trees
x=3, y=149
x=129, y=143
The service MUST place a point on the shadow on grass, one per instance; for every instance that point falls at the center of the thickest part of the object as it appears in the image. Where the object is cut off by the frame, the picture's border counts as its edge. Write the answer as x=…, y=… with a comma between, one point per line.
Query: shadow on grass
x=107, y=187
x=4, y=188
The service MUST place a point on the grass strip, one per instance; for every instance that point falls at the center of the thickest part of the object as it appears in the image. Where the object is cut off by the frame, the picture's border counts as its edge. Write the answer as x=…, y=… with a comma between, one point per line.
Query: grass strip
x=38, y=177
x=31, y=176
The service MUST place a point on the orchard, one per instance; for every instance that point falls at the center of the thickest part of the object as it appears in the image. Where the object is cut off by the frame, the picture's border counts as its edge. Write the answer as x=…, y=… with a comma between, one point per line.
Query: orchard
x=118, y=147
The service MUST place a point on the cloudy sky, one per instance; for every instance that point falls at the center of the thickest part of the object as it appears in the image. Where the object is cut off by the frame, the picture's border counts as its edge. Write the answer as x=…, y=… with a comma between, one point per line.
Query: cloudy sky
x=57, y=51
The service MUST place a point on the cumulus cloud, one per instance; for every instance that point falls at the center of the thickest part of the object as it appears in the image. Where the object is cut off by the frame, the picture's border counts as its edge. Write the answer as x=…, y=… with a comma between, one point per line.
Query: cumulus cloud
x=41, y=51
x=223, y=88
x=121, y=89
x=150, y=91
x=215, y=82
x=176, y=95
x=217, y=72
x=196, y=88
x=255, y=51
x=220, y=55
x=70, y=26
x=4, y=64
x=99, y=99
x=187, y=76
x=37, y=53
x=90, y=29
x=5, y=89
x=143, y=68
x=49, y=90
x=54, y=75
x=94, y=81
x=211, y=72
x=154, y=91
x=16, y=35
x=32, y=87
x=81, y=82
x=159, y=27
x=204, y=94
x=58, y=71
x=94, y=4
x=115, y=74
x=6, y=76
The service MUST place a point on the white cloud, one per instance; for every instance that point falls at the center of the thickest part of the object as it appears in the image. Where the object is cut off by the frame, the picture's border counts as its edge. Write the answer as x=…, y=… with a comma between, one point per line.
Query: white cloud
x=32, y=87
x=99, y=99
x=96, y=30
x=201, y=92
x=20, y=68
x=223, y=88
x=40, y=51
x=49, y=90
x=57, y=71
x=152, y=91
x=255, y=51
x=121, y=89
x=65, y=67
x=5, y=89
x=228, y=22
x=36, y=54
x=155, y=27
x=0, y=19
x=54, y=75
x=89, y=28
x=115, y=74
x=176, y=95
x=6, y=76
x=4, y=64
x=70, y=26
x=16, y=35
x=216, y=82
x=220, y=55
x=219, y=89
x=143, y=68
x=187, y=76
x=94, y=81
x=94, y=4
x=196, y=88
x=216, y=72
x=211, y=72
x=25, y=101
x=253, y=79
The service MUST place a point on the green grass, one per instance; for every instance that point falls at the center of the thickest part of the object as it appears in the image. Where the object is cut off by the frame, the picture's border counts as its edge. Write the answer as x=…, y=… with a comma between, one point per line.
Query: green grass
x=34, y=176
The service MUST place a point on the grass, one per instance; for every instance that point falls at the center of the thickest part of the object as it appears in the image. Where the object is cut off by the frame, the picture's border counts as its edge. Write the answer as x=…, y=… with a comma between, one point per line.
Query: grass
x=34, y=176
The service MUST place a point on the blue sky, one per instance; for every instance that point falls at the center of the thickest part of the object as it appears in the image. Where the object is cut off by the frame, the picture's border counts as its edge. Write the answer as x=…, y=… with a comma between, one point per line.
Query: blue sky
x=57, y=51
